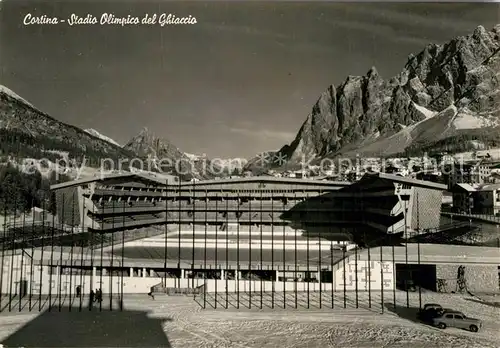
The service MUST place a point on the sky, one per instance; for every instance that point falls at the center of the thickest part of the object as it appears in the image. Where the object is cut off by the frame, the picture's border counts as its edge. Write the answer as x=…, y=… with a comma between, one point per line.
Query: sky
x=240, y=81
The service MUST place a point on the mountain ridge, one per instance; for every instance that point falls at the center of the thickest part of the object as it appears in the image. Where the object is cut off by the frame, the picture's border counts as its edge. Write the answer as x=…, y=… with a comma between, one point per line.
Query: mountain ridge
x=363, y=112
x=27, y=132
x=163, y=156
x=101, y=136
x=40, y=132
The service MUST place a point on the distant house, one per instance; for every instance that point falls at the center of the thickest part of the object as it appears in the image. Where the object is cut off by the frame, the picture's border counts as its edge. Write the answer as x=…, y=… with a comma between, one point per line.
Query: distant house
x=480, y=174
x=429, y=176
x=487, y=199
x=455, y=173
x=298, y=174
x=495, y=178
x=469, y=173
x=391, y=169
x=483, y=199
x=463, y=198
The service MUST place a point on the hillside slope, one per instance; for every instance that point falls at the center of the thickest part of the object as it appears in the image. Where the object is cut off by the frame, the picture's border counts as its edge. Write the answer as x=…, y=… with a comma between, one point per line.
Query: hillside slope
x=99, y=135
x=26, y=131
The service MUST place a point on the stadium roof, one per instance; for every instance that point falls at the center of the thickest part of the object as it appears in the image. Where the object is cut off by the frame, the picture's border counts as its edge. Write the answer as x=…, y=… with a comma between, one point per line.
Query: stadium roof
x=489, y=187
x=404, y=180
x=250, y=179
x=466, y=187
x=148, y=177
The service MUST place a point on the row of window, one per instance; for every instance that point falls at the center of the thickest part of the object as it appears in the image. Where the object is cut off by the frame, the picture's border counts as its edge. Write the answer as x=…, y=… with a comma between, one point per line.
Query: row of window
x=191, y=190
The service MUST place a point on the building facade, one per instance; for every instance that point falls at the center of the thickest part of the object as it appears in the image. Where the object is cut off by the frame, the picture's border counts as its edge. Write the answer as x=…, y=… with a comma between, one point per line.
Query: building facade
x=478, y=199
x=463, y=198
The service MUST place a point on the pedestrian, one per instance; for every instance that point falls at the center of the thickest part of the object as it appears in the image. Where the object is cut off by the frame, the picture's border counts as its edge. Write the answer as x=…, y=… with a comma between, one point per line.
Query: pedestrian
x=78, y=291
x=91, y=298
x=150, y=294
x=100, y=295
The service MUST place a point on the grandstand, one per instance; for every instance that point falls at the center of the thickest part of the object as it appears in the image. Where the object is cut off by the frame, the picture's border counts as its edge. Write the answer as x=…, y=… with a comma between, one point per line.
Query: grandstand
x=219, y=233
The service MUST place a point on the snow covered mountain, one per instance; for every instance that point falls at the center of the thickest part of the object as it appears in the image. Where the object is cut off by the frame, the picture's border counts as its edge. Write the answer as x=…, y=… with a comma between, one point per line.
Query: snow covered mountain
x=12, y=94
x=95, y=133
x=444, y=99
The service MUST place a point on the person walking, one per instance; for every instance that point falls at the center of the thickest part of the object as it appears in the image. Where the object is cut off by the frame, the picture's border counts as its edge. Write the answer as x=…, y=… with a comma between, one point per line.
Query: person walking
x=99, y=296
x=91, y=299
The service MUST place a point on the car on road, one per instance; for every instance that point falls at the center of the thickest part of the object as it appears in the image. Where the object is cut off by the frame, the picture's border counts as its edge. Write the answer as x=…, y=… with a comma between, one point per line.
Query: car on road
x=430, y=311
x=456, y=319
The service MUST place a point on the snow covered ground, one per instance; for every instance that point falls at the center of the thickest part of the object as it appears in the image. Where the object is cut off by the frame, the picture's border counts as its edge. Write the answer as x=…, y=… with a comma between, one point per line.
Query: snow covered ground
x=185, y=324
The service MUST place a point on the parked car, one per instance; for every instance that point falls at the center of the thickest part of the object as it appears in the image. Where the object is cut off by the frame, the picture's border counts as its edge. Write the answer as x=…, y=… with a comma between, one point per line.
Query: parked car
x=456, y=319
x=429, y=312
x=406, y=285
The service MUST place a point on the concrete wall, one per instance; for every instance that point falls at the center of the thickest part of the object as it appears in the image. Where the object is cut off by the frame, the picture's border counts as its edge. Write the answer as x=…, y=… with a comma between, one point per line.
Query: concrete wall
x=68, y=206
x=479, y=278
x=425, y=208
x=371, y=275
x=368, y=276
x=85, y=205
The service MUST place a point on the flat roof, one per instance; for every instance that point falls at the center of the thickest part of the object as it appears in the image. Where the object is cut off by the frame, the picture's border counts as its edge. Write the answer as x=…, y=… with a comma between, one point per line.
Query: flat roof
x=488, y=187
x=406, y=180
x=103, y=178
x=466, y=187
x=426, y=253
x=429, y=254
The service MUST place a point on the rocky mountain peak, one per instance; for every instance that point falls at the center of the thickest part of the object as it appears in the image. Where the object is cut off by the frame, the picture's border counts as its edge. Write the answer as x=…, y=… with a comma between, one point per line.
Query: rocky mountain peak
x=362, y=109
x=372, y=73
x=144, y=131
x=146, y=143
x=166, y=157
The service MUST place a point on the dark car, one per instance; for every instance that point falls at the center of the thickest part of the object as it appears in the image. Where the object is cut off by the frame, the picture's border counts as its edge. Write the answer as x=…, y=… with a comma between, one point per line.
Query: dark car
x=429, y=312
x=449, y=318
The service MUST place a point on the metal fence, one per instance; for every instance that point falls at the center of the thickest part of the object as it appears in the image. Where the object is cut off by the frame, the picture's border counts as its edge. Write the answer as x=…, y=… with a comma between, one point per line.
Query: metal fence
x=224, y=251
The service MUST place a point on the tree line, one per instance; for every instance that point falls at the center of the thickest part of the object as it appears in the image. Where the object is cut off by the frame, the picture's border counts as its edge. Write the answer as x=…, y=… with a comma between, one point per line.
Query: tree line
x=15, y=144
x=19, y=191
x=462, y=142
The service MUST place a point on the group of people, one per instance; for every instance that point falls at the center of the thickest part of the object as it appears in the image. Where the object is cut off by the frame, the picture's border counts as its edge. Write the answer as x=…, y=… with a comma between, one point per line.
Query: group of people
x=96, y=296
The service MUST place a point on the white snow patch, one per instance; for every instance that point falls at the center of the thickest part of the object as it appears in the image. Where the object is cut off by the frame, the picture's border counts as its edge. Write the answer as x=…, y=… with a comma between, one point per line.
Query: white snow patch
x=469, y=155
x=12, y=94
x=424, y=111
x=194, y=157
x=95, y=133
x=466, y=120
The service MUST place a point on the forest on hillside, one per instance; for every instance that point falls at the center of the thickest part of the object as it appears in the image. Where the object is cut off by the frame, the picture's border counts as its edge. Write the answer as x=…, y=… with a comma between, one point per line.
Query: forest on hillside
x=461, y=142
x=18, y=145
x=19, y=191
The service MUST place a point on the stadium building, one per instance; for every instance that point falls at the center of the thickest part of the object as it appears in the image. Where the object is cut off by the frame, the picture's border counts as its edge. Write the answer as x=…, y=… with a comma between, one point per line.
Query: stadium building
x=251, y=234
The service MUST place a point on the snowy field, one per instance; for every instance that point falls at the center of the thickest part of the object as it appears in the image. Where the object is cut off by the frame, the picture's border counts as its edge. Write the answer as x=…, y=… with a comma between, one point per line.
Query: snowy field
x=181, y=322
